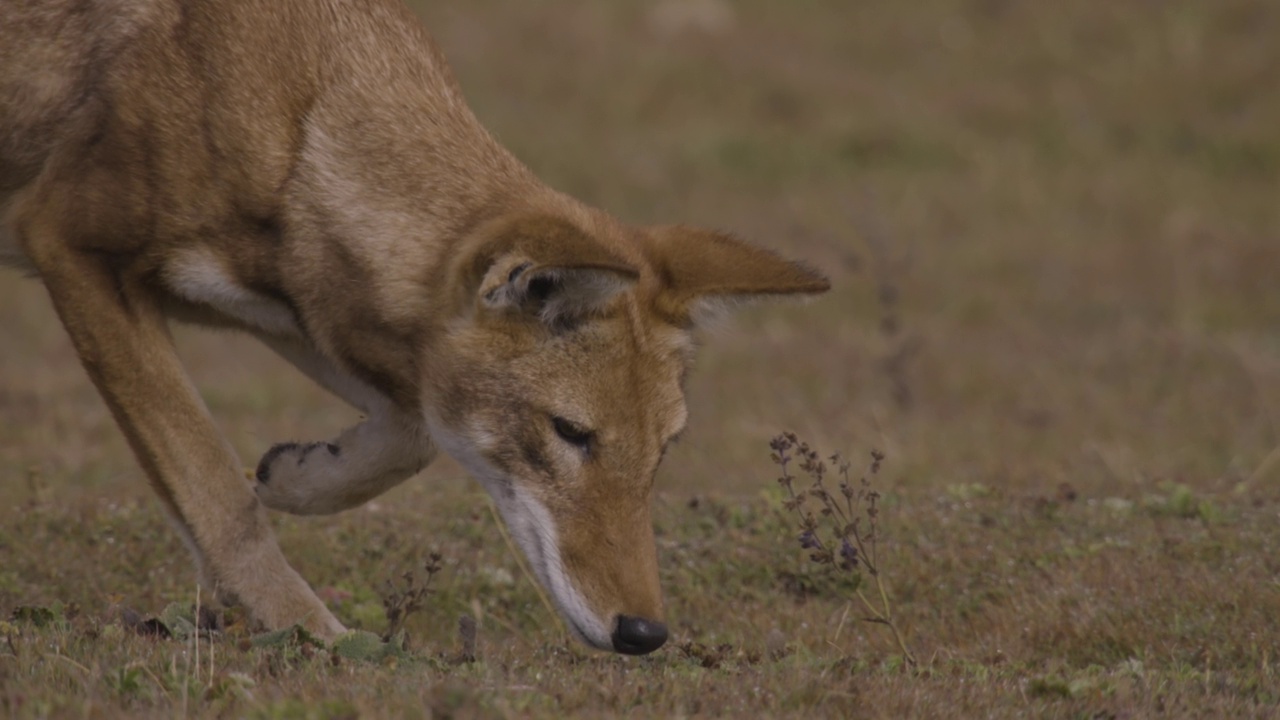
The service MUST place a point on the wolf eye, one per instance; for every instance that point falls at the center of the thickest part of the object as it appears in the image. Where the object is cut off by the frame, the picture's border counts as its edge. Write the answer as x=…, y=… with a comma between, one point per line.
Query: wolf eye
x=573, y=434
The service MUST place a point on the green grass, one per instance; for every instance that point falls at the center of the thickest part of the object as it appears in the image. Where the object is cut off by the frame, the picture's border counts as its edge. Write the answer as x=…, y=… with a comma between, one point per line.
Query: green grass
x=1077, y=207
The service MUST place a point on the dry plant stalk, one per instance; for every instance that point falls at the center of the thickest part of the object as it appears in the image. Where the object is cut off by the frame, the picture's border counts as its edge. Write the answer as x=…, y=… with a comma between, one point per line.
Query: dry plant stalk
x=399, y=603
x=467, y=639
x=852, y=517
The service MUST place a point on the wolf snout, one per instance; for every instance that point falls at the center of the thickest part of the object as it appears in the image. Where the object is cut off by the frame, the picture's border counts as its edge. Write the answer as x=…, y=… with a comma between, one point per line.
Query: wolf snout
x=638, y=636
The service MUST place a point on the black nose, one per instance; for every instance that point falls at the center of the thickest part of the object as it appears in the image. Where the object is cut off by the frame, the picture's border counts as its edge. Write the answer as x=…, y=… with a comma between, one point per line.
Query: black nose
x=637, y=636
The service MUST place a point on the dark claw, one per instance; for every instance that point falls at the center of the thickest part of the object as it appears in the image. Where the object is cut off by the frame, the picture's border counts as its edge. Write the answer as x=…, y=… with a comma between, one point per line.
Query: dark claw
x=307, y=449
x=263, y=473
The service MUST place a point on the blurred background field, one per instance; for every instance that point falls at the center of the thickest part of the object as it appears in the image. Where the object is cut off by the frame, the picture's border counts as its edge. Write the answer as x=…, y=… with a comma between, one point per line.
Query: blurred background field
x=1053, y=232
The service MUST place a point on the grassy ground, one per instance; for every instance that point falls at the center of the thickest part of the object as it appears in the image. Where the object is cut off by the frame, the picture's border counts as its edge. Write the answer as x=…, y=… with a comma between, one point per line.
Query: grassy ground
x=1054, y=234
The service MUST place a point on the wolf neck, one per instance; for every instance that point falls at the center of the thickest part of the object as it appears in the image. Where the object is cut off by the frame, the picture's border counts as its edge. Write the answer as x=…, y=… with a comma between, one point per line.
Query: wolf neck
x=384, y=192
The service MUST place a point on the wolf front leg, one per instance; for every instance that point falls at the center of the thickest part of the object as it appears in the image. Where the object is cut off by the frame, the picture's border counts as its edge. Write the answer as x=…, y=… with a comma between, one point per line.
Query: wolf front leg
x=366, y=460
x=322, y=478
x=117, y=327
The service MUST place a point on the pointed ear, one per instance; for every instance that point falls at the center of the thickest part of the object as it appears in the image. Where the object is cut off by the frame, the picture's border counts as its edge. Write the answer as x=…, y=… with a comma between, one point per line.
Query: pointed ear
x=548, y=269
x=704, y=271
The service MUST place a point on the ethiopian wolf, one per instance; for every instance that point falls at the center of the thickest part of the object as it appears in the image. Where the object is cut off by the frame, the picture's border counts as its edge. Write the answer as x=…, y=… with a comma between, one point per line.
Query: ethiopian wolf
x=308, y=171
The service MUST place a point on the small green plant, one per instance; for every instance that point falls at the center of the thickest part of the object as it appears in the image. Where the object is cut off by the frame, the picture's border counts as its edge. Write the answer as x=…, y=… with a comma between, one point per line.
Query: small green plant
x=844, y=533
x=126, y=681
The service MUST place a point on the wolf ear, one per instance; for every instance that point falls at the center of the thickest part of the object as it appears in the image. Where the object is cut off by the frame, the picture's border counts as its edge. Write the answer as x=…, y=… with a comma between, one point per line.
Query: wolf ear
x=704, y=272
x=548, y=269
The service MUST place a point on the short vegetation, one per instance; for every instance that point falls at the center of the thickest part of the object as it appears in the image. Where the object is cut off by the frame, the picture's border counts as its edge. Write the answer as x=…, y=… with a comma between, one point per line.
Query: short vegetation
x=1050, y=367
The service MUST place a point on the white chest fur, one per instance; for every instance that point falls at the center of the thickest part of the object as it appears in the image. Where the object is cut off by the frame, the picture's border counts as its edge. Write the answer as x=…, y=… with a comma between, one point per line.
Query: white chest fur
x=199, y=276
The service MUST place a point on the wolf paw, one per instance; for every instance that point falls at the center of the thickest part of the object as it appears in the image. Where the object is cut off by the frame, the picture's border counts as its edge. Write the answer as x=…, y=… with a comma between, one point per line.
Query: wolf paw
x=283, y=471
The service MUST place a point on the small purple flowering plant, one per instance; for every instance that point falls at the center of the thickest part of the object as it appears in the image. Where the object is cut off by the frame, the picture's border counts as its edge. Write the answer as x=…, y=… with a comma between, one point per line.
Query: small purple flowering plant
x=839, y=528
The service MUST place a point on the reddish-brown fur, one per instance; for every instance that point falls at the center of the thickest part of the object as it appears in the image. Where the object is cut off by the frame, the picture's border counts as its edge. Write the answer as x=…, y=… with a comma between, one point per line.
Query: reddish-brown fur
x=308, y=171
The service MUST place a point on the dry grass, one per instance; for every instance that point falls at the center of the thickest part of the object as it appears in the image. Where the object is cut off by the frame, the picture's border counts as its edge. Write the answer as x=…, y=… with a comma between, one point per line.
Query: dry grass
x=1076, y=206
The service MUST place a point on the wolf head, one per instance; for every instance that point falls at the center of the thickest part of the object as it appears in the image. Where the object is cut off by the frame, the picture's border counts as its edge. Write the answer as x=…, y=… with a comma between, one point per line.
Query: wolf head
x=560, y=387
